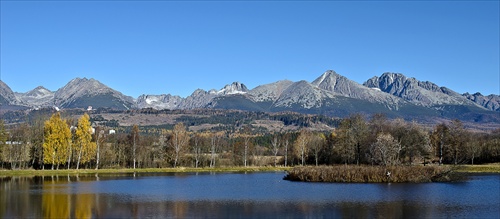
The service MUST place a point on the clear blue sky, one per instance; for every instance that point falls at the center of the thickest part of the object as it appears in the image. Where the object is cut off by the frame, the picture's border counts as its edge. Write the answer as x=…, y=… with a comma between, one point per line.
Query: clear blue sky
x=158, y=47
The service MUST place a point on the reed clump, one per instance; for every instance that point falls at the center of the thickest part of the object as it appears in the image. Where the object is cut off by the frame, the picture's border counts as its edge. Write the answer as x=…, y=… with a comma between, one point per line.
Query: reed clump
x=373, y=174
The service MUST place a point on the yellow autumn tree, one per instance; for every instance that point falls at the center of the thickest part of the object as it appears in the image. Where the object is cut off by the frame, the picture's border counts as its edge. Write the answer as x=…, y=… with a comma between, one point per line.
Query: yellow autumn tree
x=86, y=148
x=56, y=142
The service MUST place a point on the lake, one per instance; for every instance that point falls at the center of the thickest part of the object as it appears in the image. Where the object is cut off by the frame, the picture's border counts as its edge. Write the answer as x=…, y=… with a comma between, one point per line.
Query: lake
x=241, y=195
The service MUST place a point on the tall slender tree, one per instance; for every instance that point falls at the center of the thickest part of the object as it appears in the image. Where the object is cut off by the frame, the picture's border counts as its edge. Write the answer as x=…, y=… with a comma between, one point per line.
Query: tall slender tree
x=439, y=138
x=286, y=141
x=276, y=146
x=134, y=138
x=179, y=140
x=301, y=145
x=317, y=143
x=86, y=148
x=57, y=139
x=99, y=139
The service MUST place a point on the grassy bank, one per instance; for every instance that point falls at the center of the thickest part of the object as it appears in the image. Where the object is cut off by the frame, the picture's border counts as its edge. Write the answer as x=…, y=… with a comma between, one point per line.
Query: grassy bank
x=482, y=168
x=373, y=174
x=31, y=172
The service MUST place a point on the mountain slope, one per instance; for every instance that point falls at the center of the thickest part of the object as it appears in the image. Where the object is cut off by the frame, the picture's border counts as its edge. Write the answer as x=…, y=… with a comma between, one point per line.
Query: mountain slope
x=38, y=97
x=269, y=92
x=83, y=92
x=7, y=96
x=340, y=85
x=491, y=102
x=421, y=93
x=159, y=102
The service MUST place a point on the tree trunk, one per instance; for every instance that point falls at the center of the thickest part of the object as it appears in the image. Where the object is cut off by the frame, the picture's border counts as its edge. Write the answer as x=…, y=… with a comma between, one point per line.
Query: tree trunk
x=176, y=158
x=98, y=152
x=245, y=156
x=286, y=154
x=69, y=156
x=316, y=158
x=79, y=157
x=134, y=151
x=441, y=149
x=302, y=156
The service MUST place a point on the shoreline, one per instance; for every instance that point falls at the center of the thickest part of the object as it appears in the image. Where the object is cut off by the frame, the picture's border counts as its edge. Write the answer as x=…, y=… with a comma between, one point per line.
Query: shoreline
x=387, y=174
x=32, y=172
x=493, y=168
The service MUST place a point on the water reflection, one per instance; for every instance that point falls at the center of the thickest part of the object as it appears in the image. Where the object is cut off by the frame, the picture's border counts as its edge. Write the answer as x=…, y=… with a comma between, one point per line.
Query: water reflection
x=254, y=195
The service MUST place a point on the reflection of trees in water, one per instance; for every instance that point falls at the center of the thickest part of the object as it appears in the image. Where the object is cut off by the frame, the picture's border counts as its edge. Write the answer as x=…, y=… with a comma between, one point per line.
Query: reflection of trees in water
x=63, y=204
x=394, y=209
x=59, y=197
x=14, y=204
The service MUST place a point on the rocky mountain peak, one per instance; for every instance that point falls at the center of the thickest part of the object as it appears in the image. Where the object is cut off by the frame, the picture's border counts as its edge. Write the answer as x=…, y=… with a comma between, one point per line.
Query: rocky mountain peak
x=491, y=102
x=423, y=93
x=342, y=86
x=78, y=91
x=163, y=101
x=39, y=92
x=331, y=81
x=234, y=88
x=38, y=97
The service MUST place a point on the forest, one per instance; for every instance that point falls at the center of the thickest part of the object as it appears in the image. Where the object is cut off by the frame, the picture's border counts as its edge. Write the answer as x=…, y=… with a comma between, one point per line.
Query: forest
x=59, y=141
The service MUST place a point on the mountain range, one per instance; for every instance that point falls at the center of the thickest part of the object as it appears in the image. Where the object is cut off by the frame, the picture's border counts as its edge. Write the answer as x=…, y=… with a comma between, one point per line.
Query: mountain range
x=330, y=94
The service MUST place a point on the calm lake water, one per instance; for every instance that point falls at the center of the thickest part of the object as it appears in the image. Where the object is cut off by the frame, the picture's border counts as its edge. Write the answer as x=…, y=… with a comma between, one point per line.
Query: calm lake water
x=241, y=195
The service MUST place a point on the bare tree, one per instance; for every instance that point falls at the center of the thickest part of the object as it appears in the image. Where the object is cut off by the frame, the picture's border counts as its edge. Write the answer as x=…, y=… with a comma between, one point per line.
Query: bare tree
x=276, y=146
x=179, y=140
x=300, y=146
x=458, y=137
x=134, y=137
x=385, y=150
x=317, y=142
x=439, y=137
x=215, y=140
x=473, y=149
x=286, y=142
x=198, y=140
x=345, y=144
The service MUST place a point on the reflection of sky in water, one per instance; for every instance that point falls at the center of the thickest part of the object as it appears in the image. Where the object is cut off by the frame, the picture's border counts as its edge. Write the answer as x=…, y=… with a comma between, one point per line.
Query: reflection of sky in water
x=265, y=194
x=271, y=187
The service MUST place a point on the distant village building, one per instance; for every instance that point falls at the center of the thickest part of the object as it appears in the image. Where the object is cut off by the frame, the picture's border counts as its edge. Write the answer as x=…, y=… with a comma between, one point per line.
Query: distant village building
x=112, y=131
x=89, y=108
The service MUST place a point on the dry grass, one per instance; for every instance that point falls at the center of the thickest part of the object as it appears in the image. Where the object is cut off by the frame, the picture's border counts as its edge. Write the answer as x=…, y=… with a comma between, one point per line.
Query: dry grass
x=482, y=168
x=372, y=174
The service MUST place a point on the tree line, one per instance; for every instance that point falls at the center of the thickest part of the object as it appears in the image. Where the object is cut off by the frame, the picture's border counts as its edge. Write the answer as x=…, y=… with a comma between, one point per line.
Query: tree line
x=57, y=143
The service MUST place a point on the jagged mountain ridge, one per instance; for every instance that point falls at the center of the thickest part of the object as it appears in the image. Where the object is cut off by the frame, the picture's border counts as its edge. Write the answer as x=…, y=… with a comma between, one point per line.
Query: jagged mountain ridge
x=330, y=93
x=163, y=101
x=421, y=93
x=491, y=102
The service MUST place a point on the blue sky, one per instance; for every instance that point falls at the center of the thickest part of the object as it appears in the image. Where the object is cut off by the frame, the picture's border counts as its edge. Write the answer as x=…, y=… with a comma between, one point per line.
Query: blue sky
x=175, y=47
